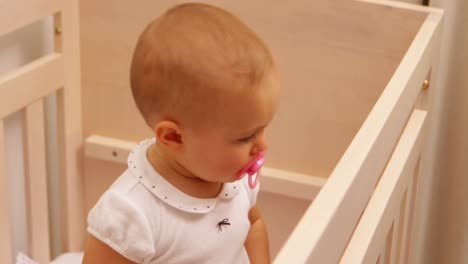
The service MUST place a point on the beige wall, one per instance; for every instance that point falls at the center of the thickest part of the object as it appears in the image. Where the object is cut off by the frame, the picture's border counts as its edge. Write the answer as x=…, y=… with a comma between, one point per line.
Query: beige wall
x=446, y=222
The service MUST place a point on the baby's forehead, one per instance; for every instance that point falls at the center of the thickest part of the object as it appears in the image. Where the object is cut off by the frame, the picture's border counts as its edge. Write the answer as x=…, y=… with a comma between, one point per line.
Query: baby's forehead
x=248, y=112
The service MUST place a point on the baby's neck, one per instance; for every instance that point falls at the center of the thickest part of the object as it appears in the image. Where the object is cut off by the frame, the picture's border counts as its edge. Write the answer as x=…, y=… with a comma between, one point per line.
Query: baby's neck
x=179, y=176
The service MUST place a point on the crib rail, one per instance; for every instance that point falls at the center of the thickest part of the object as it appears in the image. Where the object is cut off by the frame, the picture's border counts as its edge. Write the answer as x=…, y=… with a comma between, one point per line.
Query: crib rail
x=30, y=83
x=326, y=228
x=382, y=231
x=287, y=183
x=19, y=13
x=24, y=90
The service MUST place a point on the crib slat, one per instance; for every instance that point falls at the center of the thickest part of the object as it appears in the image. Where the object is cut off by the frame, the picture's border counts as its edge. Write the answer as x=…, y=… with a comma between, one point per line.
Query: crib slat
x=371, y=232
x=30, y=83
x=401, y=230
x=19, y=13
x=383, y=255
x=409, y=214
x=388, y=244
x=395, y=243
x=36, y=178
x=5, y=225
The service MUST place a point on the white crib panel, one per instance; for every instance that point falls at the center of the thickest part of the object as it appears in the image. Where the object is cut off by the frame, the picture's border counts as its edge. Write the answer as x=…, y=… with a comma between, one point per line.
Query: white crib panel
x=29, y=83
x=322, y=233
x=25, y=88
x=370, y=234
x=19, y=13
x=36, y=186
x=6, y=249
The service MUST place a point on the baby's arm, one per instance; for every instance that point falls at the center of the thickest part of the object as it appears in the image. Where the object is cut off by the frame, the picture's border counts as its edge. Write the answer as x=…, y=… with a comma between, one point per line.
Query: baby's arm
x=98, y=252
x=256, y=243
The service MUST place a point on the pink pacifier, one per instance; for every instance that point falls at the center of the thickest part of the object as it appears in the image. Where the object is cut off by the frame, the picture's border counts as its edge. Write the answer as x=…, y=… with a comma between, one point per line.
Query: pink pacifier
x=253, y=170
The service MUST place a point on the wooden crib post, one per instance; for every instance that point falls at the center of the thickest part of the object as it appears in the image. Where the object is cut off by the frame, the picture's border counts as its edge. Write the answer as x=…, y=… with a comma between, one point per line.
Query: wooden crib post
x=70, y=128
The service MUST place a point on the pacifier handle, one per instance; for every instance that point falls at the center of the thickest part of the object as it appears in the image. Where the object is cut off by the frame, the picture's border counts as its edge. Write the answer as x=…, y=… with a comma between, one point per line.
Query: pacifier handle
x=253, y=170
x=253, y=184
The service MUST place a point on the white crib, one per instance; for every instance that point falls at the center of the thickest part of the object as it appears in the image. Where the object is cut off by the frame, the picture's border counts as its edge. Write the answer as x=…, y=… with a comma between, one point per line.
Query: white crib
x=348, y=147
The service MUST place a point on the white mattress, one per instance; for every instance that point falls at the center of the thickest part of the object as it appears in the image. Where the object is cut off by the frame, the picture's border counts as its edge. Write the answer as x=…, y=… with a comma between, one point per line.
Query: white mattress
x=67, y=258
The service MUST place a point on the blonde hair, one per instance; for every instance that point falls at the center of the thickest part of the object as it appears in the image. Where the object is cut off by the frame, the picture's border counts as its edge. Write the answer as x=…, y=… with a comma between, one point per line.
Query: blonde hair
x=187, y=55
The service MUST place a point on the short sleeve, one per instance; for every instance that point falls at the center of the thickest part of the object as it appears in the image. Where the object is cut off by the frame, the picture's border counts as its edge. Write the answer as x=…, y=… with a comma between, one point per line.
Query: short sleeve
x=117, y=222
x=252, y=193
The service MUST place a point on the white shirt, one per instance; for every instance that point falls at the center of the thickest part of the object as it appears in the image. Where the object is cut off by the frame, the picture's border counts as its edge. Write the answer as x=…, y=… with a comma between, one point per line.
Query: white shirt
x=147, y=220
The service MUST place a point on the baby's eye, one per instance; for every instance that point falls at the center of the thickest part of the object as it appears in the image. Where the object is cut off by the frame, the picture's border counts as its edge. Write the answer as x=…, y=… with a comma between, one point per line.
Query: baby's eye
x=248, y=139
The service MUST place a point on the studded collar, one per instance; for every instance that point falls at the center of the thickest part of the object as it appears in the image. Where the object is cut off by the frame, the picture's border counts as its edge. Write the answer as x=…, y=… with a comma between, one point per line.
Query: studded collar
x=140, y=167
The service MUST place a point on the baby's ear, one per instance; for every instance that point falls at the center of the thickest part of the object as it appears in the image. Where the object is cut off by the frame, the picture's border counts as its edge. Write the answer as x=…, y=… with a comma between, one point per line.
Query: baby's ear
x=168, y=134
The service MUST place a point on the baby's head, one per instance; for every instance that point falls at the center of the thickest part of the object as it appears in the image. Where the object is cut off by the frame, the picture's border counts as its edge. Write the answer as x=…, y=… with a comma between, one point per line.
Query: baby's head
x=207, y=86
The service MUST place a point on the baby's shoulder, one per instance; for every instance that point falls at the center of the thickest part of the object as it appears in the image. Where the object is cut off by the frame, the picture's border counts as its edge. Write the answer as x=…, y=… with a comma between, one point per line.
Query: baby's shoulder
x=122, y=215
x=128, y=187
x=125, y=183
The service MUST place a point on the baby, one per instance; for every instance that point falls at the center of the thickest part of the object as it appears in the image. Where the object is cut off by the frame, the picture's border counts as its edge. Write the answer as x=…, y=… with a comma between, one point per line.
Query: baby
x=207, y=86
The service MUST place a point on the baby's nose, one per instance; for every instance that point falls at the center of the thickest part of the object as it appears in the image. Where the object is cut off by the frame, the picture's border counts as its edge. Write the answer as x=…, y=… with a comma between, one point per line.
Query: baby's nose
x=260, y=145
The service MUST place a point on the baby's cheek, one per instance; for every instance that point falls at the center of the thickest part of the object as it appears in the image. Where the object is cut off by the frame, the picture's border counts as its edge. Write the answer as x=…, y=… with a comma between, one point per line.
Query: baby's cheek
x=230, y=160
x=237, y=162
x=219, y=161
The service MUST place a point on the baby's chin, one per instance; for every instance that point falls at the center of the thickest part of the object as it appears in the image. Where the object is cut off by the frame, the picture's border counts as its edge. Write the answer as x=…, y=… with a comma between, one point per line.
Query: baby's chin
x=230, y=179
x=221, y=180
